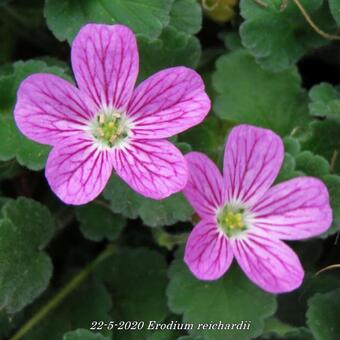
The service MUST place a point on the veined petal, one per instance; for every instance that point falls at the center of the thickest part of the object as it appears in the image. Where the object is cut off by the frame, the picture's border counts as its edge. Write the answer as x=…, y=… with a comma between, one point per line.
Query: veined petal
x=153, y=168
x=105, y=63
x=205, y=184
x=252, y=160
x=49, y=108
x=268, y=262
x=77, y=171
x=168, y=102
x=294, y=210
x=207, y=253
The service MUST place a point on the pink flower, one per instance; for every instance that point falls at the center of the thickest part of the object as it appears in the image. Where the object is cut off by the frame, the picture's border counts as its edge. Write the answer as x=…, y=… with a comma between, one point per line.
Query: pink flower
x=105, y=124
x=242, y=216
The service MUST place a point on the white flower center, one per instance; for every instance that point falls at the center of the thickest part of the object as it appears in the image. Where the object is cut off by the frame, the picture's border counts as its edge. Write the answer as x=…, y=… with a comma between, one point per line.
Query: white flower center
x=234, y=219
x=110, y=128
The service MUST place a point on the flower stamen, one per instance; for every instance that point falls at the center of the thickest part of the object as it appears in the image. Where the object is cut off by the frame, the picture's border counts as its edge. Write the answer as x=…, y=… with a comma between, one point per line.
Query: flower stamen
x=232, y=220
x=110, y=128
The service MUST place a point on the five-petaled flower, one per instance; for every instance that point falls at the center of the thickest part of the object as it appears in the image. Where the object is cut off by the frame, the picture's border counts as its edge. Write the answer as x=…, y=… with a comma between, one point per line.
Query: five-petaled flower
x=105, y=123
x=242, y=216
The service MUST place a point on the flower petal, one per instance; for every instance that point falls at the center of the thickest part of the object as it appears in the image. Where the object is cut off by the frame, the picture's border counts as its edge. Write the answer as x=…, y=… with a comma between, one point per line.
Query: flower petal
x=49, y=108
x=268, y=262
x=294, y=210
x=207, y=253
x=252, y=160
x=153, y=168
x=204, y=186
x=105, y=63
x=168, y=102
x=77, y=171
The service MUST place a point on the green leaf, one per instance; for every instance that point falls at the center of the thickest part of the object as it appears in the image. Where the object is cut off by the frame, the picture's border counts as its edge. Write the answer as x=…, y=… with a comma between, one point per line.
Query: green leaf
x=137, y=280
x=89, y=302
x=333, y=185
x=9, y=169
x=249, y=94
x=123, y=200
x=25, y=269
x=222, y=300
x=13, y=143
x=172, y=48
x=288, y=169
x=323, y=315
x=186, y=16
x=97, y=222
x=290, y=311
x=277, y=327
x=66, y=17
x=334, y=6
x=290, y=35
x=325, y=101
x=11, y=78
x=324, y=140
x=292, y=145
x=84, y=334
x=299, y=334
x=312, y=165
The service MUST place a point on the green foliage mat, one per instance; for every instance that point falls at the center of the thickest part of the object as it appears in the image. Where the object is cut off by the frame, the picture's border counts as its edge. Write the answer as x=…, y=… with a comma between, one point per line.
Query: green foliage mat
x=120, y=258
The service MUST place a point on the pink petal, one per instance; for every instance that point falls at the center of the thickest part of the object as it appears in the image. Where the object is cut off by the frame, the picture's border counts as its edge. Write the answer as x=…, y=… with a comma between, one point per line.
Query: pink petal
x=268, y=262
x=169, y=102
x=204, y=186
x=153, y=168
x=295, y=209
x=77, y=171
x=49, y=108
x=252, y=160
x=207, y=253
x=105, y=63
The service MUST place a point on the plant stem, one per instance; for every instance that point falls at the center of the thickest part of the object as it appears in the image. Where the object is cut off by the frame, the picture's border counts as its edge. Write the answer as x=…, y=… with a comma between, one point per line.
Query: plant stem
x=63, y=293
x=304, y=13
x=261, y=3
x=313, y=25
x=333, y=266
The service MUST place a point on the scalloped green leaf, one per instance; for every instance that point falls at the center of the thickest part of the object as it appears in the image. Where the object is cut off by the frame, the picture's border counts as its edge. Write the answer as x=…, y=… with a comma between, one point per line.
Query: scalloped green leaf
x=137, y=280
x=324, y=140
x=333, y=185
x=325, y=101
x=25, y=269
x=66, y=17
x=222, y=300
x=13, y=144
x=172, y=48
x=290, y=35
x=312, y=165
x=323, y=315
x=186, y=16
x=84, y=334
x=123, y=200
x=97, y=222
x=248, y=94
x=288, y=169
